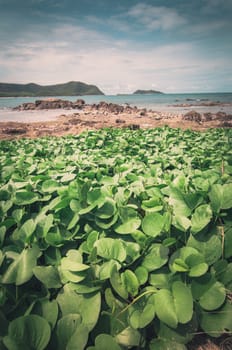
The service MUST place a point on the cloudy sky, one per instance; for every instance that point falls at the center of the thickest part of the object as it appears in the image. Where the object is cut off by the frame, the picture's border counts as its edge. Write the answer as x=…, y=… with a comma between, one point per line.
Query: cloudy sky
x=119, y=45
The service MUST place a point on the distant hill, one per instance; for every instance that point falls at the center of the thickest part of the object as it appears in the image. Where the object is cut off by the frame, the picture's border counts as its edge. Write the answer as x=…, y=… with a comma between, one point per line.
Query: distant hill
x=143, y=92
x=73, y=88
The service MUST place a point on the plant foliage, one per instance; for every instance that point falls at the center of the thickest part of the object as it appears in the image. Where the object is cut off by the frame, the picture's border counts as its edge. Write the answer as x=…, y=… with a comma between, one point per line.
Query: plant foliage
x=115, y=237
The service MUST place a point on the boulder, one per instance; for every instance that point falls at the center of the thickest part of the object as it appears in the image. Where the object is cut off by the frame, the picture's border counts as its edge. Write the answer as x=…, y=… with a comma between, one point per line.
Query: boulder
x=193, y=116
x=79, y=103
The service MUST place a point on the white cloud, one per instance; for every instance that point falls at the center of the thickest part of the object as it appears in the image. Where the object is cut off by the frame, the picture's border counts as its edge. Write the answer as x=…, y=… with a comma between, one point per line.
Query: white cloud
x=156, y=17
x=72, y=52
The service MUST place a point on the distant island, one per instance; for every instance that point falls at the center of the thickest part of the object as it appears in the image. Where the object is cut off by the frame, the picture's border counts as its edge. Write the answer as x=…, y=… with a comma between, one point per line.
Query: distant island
x=149, y=92
x=72, y=88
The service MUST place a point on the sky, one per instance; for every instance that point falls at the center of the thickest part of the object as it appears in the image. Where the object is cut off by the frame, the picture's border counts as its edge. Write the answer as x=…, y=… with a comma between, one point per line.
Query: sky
x=119, y=45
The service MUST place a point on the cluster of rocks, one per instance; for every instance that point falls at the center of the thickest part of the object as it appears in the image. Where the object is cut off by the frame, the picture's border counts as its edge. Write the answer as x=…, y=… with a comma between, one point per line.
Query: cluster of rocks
x=222, y=117
x=51, y=103
x=203, y=104
x=113, y=108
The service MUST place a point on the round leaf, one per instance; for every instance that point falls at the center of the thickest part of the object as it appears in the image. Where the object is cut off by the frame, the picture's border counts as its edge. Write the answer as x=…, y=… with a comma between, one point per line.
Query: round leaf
x=183, y=301
x=201, y=217
x=28, y=332
x=129, y=226
x=110, y=248
x=156, y=257
x=165, y=308
x=130, y=282
x=152, y=224
x=48, y=275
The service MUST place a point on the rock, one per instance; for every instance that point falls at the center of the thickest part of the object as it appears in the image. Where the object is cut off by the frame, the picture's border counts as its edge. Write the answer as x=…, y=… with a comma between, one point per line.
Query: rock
x=15, y=131
x=134, y=126
x=208, y=116
x=51, y=103
x=143, y=112
x=193, y=116
x=79, y=103
x=226, y=124
x=119, y=121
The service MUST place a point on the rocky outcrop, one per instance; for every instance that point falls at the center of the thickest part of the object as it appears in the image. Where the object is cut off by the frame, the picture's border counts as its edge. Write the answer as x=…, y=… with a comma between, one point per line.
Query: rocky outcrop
x=51, y=103
x=193, y=116
x=223, y=119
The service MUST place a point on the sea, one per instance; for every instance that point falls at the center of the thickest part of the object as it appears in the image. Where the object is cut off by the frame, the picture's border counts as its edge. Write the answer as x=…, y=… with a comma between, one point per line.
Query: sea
x=168, y=103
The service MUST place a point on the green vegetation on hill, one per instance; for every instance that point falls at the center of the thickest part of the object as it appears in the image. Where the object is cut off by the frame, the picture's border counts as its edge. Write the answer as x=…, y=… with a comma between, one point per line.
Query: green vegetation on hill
x=143, y=92
x=72, y=88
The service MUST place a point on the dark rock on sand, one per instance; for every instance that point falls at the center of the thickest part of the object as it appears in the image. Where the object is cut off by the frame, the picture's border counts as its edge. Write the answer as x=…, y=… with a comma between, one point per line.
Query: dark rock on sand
x=51, y=103
x=15, y=131
x=193, y=116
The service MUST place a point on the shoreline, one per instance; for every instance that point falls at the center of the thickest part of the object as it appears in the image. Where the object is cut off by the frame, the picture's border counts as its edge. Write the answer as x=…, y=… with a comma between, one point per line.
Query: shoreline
x=107, y=115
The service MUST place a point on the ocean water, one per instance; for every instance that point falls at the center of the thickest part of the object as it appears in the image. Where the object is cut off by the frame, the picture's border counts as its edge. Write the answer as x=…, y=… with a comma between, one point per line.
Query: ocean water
x=157, y=102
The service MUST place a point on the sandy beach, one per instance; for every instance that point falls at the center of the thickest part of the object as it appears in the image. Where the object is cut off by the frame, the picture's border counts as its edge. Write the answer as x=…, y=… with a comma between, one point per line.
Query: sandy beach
x=107, y=115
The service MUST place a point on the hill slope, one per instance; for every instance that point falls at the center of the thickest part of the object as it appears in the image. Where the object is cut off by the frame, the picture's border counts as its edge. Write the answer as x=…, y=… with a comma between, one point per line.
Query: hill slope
x=72, y=88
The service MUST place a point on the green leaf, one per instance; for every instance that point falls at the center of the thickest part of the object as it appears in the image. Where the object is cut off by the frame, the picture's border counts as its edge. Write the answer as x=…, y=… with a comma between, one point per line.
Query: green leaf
x=105, y=342
x=227, y=196
x=107, y=268
x=208, y=245
x=201, y=217
x=27, y=228
x=46, y=309
x=228, y=243
x=48, y=275
x=182, y=334
x=219, y=322
x=141, y=274
x=182, y=223
x=156, y=257
x=188, y=259
x=160, y=278
x=128, y=337
x=110, y=248
x=183, y=301
x=177, y=201
x=50, y=186
x=152, y=224
x=130, y=282
x=163, y=344
x=198, y=270
x=67, y=177
x=214, y=297
x=209, y=292
x=117, y=284
x=179, y=265
x=216, y=197
x=165, y=308
x=107, y=210
x=129, y=226
x=142, y=312
x=74, y=221
x=87, y=305
x=71, y=333
x=25, y=197
x=45, y=222
x=28, y=332
x=21, y=269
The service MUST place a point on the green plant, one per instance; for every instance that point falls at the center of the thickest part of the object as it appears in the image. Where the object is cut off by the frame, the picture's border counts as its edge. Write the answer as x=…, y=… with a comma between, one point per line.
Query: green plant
x=115, y=237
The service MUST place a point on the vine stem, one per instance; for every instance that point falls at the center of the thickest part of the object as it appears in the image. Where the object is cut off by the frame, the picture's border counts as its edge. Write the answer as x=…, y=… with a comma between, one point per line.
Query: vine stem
x=135, y=300
x=223, y=239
